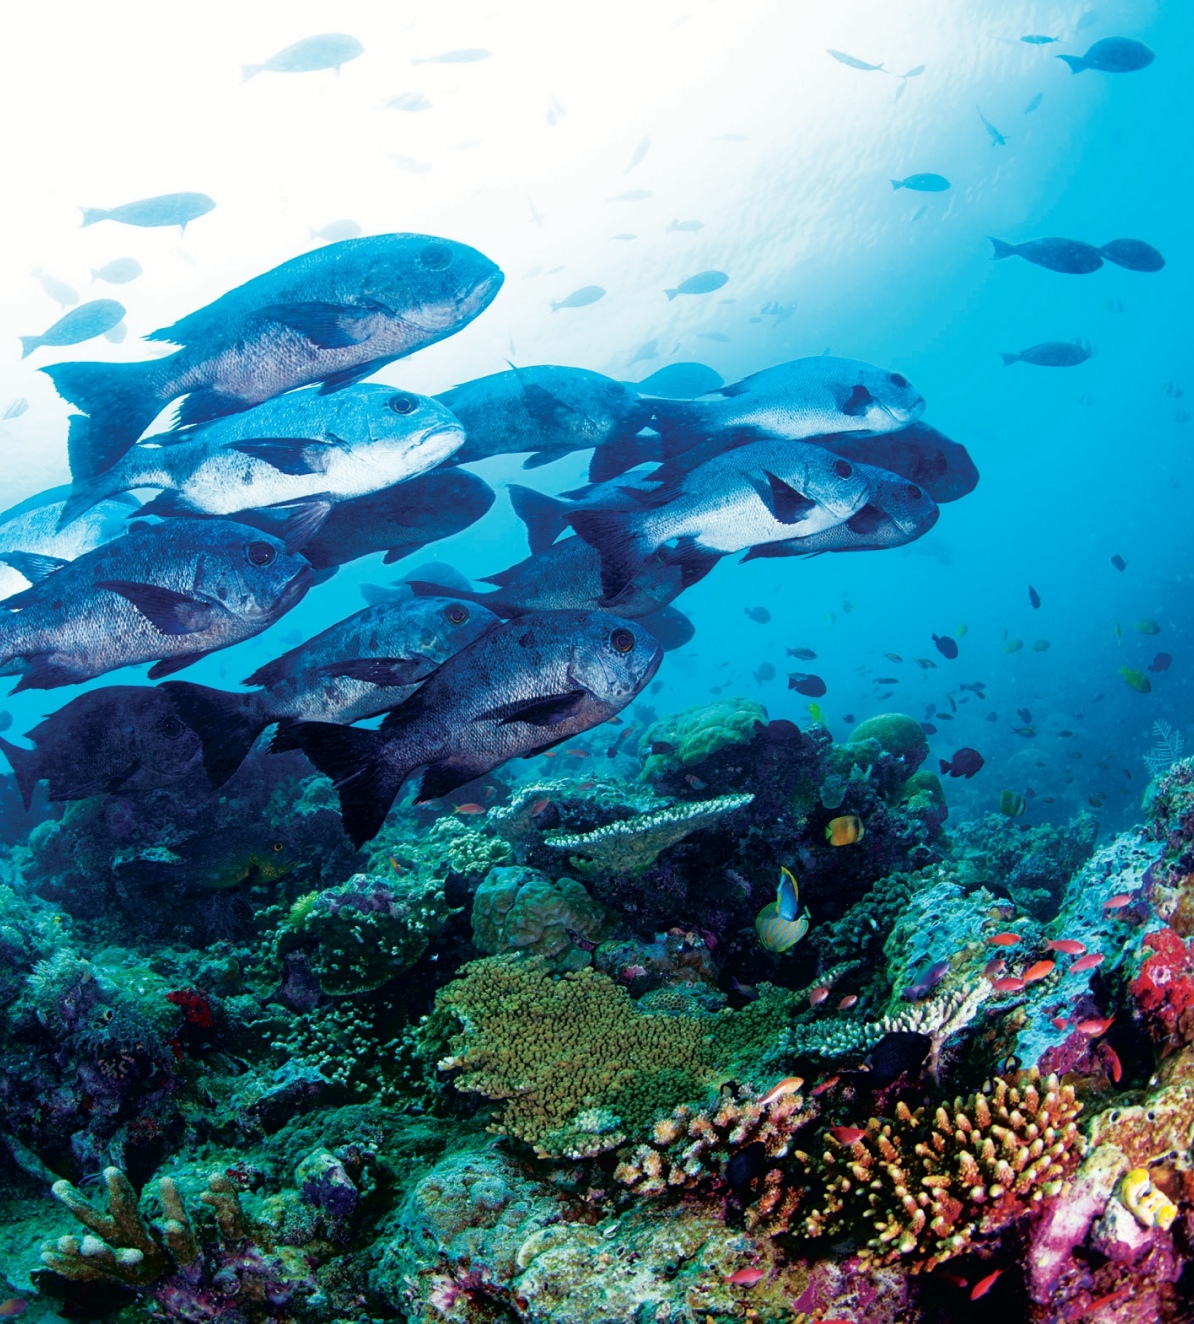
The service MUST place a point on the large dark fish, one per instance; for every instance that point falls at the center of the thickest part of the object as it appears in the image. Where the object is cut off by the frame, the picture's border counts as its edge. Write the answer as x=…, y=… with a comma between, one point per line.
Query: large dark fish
x=1112, y=55
x=359, y=667
x=520, y=689
x=121, y=738
x=1070, y=256
x=333, y=315
x=1052, y=354
x=567, y=577
x=548, y=410
x=897, y=513
x=768, y=491
x=166, y=593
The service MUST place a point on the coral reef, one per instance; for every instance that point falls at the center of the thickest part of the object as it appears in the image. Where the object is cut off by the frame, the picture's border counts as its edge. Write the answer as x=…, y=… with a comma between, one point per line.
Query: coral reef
x=686, y=739
x=520, y=909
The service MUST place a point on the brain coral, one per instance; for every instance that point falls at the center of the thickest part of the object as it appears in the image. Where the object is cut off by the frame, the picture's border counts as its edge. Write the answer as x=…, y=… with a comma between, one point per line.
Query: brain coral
x=686, y=738
x=901, y=736
x=521, y=909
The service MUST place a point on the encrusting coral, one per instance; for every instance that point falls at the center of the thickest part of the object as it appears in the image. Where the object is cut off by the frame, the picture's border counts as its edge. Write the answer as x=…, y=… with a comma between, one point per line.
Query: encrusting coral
x=521, y=909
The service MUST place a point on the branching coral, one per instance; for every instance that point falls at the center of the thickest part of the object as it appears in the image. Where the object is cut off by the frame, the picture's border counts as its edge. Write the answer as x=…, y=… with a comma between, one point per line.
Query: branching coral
x=929, y=1187
x=121, y=1249
x=632, y=845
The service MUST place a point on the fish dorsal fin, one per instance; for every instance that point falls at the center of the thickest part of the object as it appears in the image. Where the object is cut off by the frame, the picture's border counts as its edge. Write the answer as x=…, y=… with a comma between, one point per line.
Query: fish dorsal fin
x=544, y=710
x=170, y=612
x=786, y=503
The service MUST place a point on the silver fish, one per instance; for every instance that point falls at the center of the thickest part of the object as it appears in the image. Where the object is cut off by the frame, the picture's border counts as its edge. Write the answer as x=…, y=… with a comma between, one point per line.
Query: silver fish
x=329, y=50
x=33, y=527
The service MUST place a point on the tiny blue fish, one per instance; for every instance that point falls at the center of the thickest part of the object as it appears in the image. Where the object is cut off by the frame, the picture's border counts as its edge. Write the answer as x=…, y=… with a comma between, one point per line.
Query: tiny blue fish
x=923, y=183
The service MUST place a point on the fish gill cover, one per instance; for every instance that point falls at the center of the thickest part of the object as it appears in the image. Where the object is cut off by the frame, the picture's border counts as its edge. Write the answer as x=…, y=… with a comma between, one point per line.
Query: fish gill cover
x=473, y=844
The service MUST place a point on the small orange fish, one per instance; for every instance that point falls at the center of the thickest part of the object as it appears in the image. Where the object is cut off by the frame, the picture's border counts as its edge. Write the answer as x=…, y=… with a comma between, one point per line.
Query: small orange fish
x=844, y=830
x=818, y=995
x=1093, y=1026
x=746, y=1277
x=827, y=1084
x=577, y=753
x=846, y=1135
x=490, y=792
x=1012, y=984
x=586, y=786
x=550, y=754
x=1118, y=901
x=539, y=806
x=1060, y=1023
x=847, y=1002
x=1114, y=1066
x=1039, y=970
x=1087, y=962
x=469, y=809
x=1067, y=946
x=13, y=1307
x=1109, y=1300
x=397, y=867
x=789, y=1085
x=995, y=967
x=984, y=1285
x=1004, y=939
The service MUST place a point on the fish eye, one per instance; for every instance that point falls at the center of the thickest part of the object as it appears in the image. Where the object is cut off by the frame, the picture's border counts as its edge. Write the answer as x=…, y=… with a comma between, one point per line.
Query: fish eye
x=457, y=614
x=842, y=469
x=403, y=404
x=914, y=492
x=897, y=379
x=435, y=257
x=279, y=846
x=260, y=553
x=171, y=726
x=622, y=640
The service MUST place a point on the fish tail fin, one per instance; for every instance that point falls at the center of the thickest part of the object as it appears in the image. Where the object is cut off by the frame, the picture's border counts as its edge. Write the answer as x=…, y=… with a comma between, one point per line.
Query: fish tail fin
x=26, y=768
x=366, y=780
x=614, y=458
x=227, y=724
x=29, y=344
x=678, y=425
x=1009, y=359
x=248, y=71
x=1002, y=249
x=545, y=517
x=897, y=183
x=425, y=588
x=88, y=489
x=1076, y=62
x=945, y=766
x=618, y=538
x=120, y=400
x=93, y=214
x=671, y=294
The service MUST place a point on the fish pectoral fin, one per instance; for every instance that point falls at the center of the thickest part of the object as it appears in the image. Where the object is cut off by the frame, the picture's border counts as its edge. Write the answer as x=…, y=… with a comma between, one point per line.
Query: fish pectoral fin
x=289, y=455
x=865, y=521
x=328, y=325
x=117, y=780
x=337, y=381
x=382, y=670
x=35, y=566
x=785, y=503
x=41, y=672
x=168, y=504
x=547, y=710
x=169, y=665
x=169, y=611
x=856, y=402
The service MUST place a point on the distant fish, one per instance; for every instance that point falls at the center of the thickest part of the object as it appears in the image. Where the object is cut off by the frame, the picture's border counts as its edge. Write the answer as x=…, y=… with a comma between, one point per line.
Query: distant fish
x=624, y=236
x=685, y=227
x=704, y=282
x=151, y=213
x=1039, y=41
x=1038, y=970
x=1147, y=627
x=85, y=322
x=926, y=981
x=5, y=719
x=1091, y=961
x=1026, y=731
x=1162, y=662
x=746, y=1277
x=327, y=51
x=1051, y=354
x=852, y=62
x=844, y=830
x=1134, y=254
x=1013, y=645
x=1041, y=646
x=850, y=1000
x=680, y=381
x=813, y=687
x=1034, y=103
x=1071, y=257
x=946, y=646
x=468, y=55
x=965, y=763
x=117, y=272
x=714, y=335
x=637, y=155
x=581, y=298
x=759, y=614
x=411, y=164
x=18, y=407
x=1067, y=946
x=818, y=995
x=923, y=183
x=1004, y=939
x=1012, y=804
x=1118, y=562
x=984, y=1285
x=997, y=138
x=58, y=290
x=1112, y=55
x=804, y=654
x=13, y=1307
x=765, y=673
x=1137, y=680
x=335, y=232
x=411, y=102
x=847, y=1135
x=1034, y=597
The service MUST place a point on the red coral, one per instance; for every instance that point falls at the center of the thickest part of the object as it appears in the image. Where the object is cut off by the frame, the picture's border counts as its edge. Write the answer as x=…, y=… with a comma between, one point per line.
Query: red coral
x=1164, y=987
x=196, y=1009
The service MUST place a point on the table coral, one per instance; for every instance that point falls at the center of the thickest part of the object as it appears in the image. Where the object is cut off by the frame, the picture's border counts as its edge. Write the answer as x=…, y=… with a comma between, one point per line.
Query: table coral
x=521, y=909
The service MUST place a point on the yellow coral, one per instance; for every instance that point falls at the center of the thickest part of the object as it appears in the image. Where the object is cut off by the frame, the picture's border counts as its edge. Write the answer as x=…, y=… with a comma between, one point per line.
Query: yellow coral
x=1149, y=1206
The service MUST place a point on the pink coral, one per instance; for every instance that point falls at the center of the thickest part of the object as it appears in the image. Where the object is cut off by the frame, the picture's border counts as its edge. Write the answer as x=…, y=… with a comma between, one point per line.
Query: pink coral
x=1164, y=988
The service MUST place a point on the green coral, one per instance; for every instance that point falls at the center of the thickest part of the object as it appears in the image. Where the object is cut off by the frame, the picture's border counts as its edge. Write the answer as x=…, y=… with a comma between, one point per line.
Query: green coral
x=632, y=845
x=448, y=846
x=520, y=909
x=901, y=736
x=687, y=738
x=923, y=792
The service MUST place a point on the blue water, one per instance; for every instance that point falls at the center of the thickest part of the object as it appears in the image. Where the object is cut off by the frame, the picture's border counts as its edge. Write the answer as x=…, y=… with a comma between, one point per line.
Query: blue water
x=785, y=157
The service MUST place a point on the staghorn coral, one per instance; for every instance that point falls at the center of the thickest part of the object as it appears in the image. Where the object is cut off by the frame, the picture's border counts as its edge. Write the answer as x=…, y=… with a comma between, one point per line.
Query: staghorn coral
x=687, y=738
x=520, y=909
x=928, y=1187
x=632, y=845
x=121, y=1249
